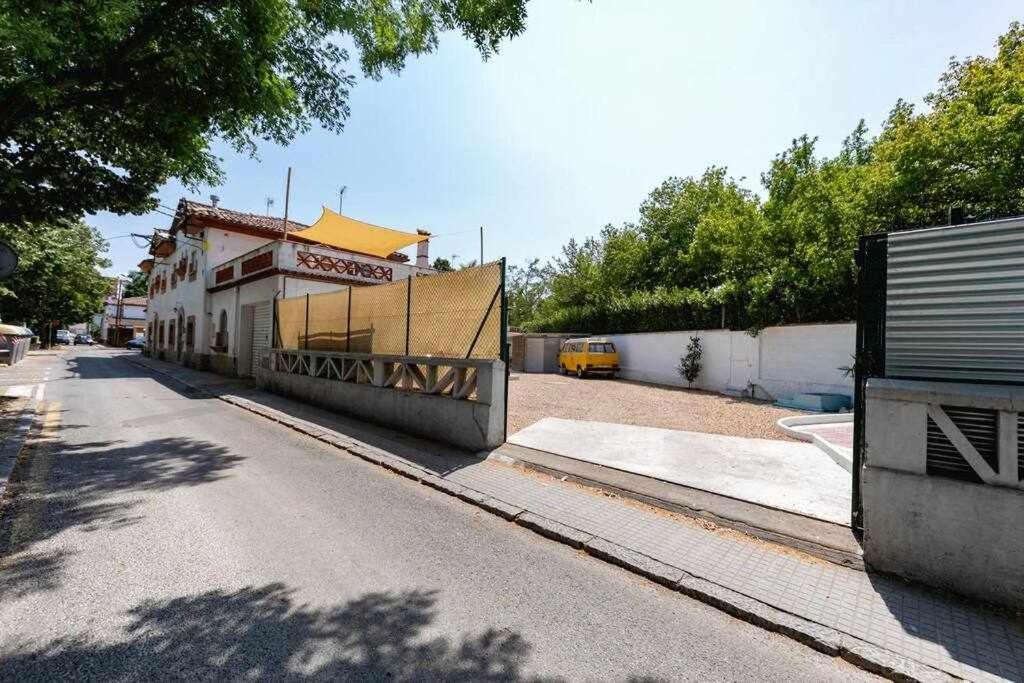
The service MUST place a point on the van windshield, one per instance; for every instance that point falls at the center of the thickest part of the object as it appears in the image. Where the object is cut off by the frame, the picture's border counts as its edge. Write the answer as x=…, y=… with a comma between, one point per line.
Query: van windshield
x=601, y=347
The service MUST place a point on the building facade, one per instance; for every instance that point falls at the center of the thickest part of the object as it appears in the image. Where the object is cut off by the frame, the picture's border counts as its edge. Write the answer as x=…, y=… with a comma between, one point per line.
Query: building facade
x=123, y=318
x=214, y=275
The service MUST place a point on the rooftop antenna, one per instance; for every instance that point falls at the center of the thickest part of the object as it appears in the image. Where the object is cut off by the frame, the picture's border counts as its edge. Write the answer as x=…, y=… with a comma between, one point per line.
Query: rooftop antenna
x=341, y=197
x=269, y=201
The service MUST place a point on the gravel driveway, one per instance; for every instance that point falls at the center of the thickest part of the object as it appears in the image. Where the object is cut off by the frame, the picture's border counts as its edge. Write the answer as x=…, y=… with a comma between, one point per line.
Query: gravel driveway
x=535, y=396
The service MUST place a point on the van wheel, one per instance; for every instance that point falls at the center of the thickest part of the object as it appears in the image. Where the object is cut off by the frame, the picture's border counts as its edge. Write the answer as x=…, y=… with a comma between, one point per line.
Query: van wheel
x=579, y=372
x=562, y=370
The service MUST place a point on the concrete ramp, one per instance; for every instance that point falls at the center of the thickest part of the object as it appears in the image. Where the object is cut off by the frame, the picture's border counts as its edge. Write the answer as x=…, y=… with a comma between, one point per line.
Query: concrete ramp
x=795, y=477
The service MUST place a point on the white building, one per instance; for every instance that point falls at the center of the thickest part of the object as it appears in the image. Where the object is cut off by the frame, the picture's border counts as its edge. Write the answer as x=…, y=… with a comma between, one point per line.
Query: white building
x=122, y=318
x=215, y=273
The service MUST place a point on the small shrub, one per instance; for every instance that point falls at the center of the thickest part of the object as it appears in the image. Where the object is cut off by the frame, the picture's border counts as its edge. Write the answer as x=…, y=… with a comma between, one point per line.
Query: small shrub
x=689, y=365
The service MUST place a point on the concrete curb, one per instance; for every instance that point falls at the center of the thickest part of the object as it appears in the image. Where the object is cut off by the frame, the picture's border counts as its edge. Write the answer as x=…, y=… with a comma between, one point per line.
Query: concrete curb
x=817, y=636
x=839, y=455
x=15, y=442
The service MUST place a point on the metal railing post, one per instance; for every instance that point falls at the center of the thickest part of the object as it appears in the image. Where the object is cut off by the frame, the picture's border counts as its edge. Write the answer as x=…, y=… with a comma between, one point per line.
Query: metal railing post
x=408, y=312
x=348, y=322
x=307, y=322
x=504, y=344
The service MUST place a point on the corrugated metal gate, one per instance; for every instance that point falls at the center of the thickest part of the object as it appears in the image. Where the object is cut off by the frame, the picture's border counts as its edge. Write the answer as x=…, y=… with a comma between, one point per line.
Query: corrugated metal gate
x=955, y=303
x=940, y=304
x=262, y=325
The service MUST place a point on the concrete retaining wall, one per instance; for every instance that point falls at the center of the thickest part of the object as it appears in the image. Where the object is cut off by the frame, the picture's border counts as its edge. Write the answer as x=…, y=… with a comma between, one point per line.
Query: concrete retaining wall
x=779, y=362
x=471, y=424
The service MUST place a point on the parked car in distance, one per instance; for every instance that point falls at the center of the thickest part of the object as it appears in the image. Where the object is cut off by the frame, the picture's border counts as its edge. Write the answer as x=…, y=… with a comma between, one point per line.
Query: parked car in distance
x=586, y=356
x=64, y=337
x=137, y=343
x=83, y=339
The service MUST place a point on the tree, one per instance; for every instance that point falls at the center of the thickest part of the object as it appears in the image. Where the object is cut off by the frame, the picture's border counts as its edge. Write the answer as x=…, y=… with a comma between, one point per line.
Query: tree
x=704, y=243
x=58, y=274
x=525, y=288
x=967, y=149
x=690, y=364
x=442, y=265
x=101, y=103
x=138, y=284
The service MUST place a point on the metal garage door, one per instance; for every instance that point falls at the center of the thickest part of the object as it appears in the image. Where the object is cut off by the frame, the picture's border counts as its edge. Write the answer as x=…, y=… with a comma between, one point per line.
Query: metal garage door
x=535, y=354
x=262, y=323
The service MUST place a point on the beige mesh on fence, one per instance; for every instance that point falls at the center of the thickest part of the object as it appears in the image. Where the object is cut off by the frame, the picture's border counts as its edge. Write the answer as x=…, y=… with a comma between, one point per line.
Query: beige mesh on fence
x=291, y=319
x=328, y=322
x=447, y=310
x=378, y=318
x=449, y=315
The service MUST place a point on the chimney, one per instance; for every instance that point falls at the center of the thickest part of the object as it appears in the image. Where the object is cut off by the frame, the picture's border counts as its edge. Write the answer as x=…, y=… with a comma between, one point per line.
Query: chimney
x=214, y=199
x=423, y=251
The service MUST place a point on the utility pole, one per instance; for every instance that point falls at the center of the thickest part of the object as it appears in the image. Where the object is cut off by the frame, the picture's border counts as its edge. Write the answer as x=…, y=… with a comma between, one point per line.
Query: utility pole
x=287, y=195
x=341, y=197
x=119, y=312
x=481, y=246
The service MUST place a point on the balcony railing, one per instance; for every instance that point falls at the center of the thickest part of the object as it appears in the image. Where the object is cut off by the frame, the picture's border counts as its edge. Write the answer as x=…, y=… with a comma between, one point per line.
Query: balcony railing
x=310, y=261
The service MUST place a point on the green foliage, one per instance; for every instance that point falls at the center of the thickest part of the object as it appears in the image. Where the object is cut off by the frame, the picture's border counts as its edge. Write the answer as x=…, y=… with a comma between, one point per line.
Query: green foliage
x=104, y=101
x=663, y=309
x=524, y=289
x=442, y=265
x=138, y=284
x=58, y=274
x=705, y=243
x=690, y=364
x=968, y=148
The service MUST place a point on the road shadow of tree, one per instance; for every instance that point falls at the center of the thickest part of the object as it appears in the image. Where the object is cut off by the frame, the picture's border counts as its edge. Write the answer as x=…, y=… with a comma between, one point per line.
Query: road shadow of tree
x=88, y=486
x=264, y=633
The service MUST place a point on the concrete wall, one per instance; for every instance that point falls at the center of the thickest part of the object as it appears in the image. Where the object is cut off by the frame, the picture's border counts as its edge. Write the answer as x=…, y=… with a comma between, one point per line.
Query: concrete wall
x=473, y=425
x=778, y=362
x=949, y=533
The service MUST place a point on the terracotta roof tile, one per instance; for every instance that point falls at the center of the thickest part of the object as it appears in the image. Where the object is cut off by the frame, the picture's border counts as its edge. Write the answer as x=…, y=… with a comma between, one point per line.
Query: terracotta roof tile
x=251, y=220
x=135, y=300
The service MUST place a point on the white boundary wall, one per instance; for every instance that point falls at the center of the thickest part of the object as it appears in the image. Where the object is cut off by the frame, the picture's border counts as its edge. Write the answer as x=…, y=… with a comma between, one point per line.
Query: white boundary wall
x=778, y=363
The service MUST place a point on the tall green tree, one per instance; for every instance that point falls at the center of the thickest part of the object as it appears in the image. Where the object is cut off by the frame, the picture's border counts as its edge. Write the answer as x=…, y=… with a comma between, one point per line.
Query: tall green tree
x=525, y=288
x=138, y=284
x=58, y=276
x=102, y=102
x=966, y=148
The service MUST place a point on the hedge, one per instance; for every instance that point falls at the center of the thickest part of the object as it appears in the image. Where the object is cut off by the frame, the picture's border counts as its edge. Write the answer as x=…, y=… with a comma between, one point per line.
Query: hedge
x=657, y=311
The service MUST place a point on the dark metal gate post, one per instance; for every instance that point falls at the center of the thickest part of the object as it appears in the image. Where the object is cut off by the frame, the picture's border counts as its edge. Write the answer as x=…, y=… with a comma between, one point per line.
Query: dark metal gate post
x=348, y=322
x=504, y=343
x=869, y=358
x=408, y=311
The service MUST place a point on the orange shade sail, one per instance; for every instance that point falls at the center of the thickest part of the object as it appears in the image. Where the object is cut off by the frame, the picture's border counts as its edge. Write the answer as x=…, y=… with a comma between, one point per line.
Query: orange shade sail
x=343, y=232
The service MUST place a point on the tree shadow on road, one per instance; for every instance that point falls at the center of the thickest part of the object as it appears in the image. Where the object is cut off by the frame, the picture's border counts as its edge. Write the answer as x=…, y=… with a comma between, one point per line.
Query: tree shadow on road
x=265, y=633
x=60, y=486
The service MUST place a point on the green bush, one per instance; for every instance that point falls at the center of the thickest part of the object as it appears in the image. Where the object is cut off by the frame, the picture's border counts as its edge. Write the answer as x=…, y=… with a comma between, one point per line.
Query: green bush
x=657, y=311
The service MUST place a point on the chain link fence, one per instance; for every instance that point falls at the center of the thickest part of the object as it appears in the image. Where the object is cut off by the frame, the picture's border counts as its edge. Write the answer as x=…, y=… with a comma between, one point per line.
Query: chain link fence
x=447, y=315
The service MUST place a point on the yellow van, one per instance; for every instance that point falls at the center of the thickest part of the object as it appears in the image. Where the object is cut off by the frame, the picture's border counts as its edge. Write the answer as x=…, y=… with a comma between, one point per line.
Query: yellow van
x=588, y=356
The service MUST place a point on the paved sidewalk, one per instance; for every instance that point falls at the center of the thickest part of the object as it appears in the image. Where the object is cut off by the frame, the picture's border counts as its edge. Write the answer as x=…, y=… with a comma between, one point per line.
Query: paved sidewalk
x=874, y=621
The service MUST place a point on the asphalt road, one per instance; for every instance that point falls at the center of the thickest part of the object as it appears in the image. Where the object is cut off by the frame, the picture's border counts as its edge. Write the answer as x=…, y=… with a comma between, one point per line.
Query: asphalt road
x=159, y=535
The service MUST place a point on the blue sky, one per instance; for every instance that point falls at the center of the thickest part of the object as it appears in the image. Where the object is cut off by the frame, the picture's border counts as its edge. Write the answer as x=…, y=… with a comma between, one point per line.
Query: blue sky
x=575, y=121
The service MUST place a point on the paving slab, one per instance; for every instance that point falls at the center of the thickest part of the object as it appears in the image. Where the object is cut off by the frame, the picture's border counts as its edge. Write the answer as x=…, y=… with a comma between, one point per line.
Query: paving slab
x=785, y=475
